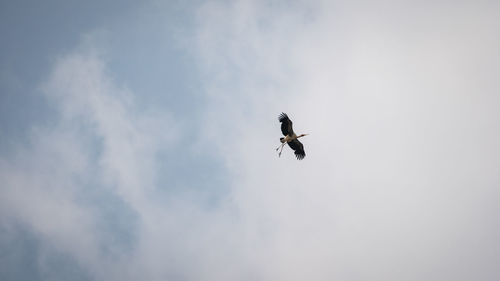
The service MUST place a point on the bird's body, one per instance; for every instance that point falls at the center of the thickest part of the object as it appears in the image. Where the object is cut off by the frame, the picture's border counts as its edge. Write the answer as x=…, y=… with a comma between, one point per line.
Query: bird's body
x=290, y=137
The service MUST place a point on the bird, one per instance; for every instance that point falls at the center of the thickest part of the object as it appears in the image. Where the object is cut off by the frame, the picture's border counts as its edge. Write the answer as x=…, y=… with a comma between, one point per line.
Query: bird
x=290, y=137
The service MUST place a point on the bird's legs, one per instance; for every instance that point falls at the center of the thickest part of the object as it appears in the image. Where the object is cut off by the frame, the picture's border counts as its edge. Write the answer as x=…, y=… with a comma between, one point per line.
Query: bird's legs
x=281, y=146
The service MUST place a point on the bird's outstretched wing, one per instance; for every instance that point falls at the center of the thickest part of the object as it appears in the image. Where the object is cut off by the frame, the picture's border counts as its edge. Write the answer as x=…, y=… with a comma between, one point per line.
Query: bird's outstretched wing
x=286, y=124
x=298, y=147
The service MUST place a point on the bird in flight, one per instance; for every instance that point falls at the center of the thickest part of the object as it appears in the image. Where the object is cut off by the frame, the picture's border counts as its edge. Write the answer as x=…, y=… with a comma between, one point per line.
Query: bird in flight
x=290, y=137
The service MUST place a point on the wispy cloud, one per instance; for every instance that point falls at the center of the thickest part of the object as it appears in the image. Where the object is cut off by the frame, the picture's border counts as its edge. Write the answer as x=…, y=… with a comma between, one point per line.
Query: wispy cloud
x=101, y=146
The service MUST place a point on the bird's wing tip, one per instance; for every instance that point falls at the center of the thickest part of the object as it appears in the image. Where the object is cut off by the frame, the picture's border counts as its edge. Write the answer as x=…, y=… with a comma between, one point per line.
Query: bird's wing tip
x=282, y=117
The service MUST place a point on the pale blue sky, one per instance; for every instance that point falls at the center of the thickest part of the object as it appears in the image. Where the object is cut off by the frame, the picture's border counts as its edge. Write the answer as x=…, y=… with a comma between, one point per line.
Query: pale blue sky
x=141, y=42
x=137, y=140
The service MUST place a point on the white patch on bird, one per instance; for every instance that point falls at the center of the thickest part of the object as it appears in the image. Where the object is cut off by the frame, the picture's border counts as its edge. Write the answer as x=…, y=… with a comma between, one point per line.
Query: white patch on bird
x=289, y=138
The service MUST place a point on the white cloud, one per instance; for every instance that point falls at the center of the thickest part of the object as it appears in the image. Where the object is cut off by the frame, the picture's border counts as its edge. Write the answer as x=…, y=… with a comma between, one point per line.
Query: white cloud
x=101, y=143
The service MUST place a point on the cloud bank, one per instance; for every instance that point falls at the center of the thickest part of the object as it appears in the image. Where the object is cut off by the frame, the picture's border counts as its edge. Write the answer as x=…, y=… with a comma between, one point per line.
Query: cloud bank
x=402, y=156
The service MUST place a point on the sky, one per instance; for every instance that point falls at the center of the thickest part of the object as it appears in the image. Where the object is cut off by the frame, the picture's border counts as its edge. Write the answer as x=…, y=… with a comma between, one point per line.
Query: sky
x=137, y=140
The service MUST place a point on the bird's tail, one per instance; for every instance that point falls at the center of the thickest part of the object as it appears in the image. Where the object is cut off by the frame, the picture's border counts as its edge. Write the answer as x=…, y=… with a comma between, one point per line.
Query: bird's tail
x=282, y=140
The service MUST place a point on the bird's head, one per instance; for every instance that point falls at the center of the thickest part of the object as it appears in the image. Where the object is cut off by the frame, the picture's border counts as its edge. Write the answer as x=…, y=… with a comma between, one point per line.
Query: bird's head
x=303, y=135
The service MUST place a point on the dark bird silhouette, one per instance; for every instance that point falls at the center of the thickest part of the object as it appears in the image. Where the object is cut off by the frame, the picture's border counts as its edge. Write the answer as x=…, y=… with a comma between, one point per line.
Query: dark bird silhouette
x=290, y=137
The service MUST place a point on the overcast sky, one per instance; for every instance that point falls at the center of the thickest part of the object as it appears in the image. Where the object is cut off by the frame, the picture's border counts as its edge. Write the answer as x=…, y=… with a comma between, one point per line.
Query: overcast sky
x=137, y=140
